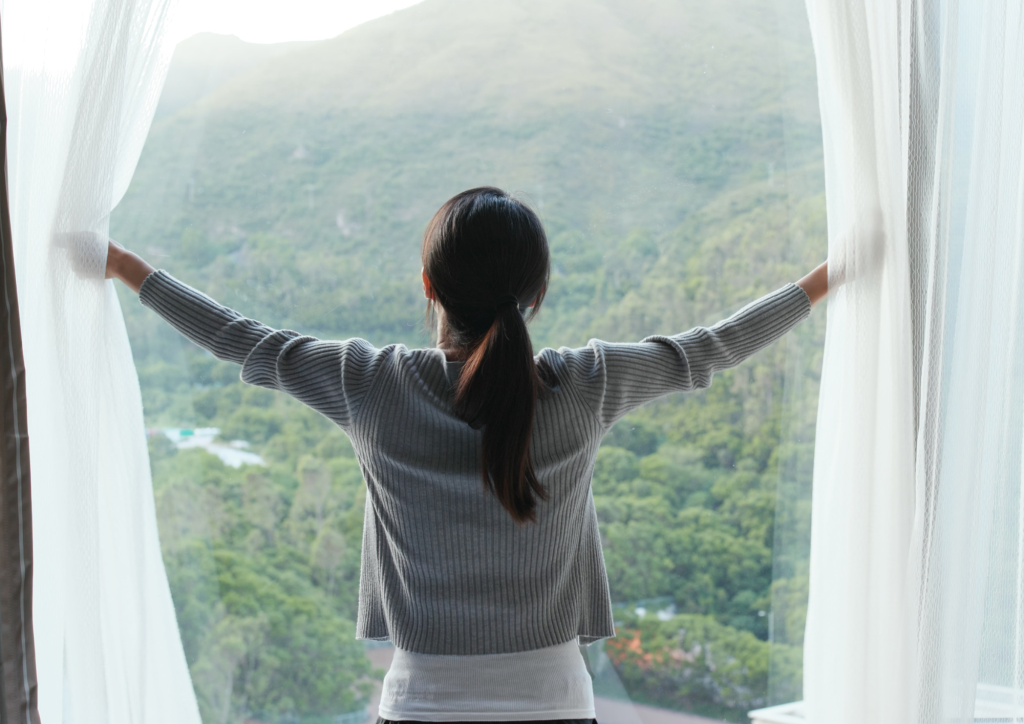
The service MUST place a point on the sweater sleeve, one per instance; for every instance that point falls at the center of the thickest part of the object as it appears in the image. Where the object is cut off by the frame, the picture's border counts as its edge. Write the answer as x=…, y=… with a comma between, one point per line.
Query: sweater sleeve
x=330, y=377
x=615, y=379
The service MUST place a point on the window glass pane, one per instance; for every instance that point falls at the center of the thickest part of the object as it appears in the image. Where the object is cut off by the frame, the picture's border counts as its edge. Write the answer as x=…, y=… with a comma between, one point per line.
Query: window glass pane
x=673, y=152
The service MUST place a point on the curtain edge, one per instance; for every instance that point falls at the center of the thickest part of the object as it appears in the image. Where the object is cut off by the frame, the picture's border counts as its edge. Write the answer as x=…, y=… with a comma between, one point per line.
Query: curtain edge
x=18, y=687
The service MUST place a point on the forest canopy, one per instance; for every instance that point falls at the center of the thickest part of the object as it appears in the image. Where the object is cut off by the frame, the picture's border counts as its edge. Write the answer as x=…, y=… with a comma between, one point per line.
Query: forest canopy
x=678, y=180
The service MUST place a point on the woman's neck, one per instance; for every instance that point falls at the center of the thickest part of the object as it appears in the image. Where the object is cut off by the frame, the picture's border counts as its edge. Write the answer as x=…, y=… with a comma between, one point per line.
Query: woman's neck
x=445, y=343
x=454, y=355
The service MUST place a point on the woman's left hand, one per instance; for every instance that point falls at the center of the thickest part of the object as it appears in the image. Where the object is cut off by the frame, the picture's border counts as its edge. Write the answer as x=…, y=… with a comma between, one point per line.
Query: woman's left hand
x=130, y=268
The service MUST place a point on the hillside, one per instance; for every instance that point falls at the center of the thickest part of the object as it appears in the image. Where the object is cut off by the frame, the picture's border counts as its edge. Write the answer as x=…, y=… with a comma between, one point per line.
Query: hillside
x=206, y=61
x=612, y=117
x=672, y=149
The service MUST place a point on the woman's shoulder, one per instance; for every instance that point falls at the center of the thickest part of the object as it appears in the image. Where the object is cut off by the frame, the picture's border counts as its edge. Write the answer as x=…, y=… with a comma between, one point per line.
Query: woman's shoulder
x=588, y=368
x=573, y=358
x=571, y=365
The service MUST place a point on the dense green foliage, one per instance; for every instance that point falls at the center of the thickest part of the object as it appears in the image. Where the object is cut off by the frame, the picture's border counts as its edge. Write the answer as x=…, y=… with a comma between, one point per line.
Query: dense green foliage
x=693, y=662
x=263, y=565
x=678, y=175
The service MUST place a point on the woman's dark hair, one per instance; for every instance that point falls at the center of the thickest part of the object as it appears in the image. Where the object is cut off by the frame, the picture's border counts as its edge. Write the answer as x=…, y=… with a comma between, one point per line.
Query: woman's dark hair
x=485, y=255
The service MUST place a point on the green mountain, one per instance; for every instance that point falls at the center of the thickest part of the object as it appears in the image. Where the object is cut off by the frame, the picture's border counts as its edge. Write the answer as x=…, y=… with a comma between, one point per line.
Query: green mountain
x=206, y=61
x=614, y=118
x=672, y=149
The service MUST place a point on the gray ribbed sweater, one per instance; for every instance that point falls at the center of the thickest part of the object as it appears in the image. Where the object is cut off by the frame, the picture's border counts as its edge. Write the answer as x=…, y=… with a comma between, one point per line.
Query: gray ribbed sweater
x=445, y=570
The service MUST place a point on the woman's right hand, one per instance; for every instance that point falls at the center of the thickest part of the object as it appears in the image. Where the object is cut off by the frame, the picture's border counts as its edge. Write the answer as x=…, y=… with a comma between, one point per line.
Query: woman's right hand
x=815, y=284
x=858, y=252
x=130, y=268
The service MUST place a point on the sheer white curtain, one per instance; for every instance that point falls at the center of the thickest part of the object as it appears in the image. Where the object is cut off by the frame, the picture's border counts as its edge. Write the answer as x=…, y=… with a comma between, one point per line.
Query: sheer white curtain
x=967, y=116
x=82, y=82
x=857, y=645
x=916, y=607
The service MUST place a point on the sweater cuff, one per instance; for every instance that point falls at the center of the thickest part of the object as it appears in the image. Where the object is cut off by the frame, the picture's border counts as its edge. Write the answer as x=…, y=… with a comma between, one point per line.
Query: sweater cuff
x=222, y=331
x=764, y=321
x=793, y=302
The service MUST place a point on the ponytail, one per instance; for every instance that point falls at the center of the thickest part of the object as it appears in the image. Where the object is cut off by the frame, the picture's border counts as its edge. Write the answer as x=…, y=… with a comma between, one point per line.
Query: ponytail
x=498, y=390
x=483, y=253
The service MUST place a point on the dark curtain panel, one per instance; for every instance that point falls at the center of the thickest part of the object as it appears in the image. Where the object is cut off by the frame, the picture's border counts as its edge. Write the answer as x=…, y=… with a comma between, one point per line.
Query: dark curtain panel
x=17, y=653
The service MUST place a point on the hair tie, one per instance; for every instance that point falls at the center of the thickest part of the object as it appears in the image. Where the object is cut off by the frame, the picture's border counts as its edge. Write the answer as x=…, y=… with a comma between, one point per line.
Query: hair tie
x=507, y=299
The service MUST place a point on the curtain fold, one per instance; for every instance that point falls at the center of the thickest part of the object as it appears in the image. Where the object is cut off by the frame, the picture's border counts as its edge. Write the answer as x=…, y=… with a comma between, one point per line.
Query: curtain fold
x=82, y=83
x=969, y=534
x=857, y=643
x=916, y=607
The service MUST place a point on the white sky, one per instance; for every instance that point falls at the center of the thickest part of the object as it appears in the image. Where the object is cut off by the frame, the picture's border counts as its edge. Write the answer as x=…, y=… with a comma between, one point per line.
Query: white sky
x=275, y=21
x=51, y=30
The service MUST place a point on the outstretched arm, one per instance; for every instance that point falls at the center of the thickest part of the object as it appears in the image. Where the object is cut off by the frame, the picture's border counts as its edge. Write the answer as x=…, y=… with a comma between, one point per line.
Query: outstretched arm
x=221, y=331
x=618, y=378
x=330, y=377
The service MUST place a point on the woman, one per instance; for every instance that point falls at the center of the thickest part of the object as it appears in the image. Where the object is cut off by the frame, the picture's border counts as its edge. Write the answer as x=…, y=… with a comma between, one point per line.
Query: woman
x=481, y=559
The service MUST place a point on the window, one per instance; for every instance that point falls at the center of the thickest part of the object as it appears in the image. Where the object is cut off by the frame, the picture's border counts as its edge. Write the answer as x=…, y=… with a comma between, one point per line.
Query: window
x=673, y=151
